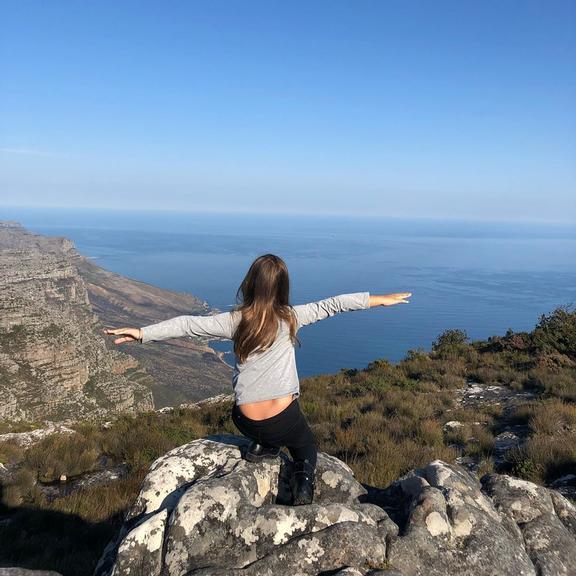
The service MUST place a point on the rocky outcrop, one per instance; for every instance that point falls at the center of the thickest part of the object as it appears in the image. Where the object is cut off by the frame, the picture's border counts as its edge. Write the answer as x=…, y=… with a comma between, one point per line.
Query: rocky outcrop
x=509, y=434
x=54, y=361
x=450, y=525
x=543, y=519
x=200, y=405
x=27, y=439
x=204, y=510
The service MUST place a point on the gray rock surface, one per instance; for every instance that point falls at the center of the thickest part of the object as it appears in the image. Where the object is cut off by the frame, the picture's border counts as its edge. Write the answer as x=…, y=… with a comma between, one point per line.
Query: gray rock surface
x=204, y=510
x=27, y=439
x=452, y=527
x=544, y=519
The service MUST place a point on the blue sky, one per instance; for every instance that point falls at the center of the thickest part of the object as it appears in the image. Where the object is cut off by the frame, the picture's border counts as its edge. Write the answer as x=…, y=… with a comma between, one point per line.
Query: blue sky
x=395, y=108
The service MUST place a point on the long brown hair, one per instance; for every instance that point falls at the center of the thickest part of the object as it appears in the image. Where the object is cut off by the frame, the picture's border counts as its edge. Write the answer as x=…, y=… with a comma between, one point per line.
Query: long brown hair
x=263, y=300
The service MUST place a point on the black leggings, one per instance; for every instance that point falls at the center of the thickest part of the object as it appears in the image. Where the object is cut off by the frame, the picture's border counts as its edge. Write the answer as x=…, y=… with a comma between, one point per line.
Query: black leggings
x=288, y=428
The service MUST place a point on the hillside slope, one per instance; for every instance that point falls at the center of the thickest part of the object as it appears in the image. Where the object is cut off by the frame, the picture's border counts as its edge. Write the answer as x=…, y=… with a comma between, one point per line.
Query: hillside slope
x=183, y=370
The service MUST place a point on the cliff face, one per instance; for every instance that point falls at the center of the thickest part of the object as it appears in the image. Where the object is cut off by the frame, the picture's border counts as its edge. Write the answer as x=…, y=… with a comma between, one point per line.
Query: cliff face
x=54, y=361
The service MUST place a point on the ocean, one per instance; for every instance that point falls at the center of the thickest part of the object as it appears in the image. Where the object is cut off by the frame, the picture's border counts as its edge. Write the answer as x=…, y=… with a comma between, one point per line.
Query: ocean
x=481, y=277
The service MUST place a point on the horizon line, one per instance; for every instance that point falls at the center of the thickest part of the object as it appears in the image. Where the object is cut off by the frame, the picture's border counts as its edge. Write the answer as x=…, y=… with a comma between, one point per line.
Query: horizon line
x=358, y=215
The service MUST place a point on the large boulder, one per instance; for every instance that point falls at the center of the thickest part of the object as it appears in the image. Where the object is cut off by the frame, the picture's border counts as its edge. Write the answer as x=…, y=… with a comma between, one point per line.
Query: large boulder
x=451, y=527
x=203, y=507
x=204, y=510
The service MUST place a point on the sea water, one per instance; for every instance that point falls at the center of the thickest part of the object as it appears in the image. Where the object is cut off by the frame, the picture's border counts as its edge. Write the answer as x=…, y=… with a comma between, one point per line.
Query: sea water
x=481, y=277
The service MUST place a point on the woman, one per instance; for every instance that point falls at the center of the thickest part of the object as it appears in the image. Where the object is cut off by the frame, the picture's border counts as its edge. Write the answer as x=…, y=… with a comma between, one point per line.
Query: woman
x=263, y=327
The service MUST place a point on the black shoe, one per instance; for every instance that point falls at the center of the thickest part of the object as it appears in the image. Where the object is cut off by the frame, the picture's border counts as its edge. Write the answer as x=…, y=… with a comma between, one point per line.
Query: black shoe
x=303, y=483
x=257, y=452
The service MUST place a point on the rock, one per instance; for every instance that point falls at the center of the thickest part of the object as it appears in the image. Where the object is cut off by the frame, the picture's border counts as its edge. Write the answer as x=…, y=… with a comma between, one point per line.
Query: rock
x=475, y=393
x=204, y=510
x=27, y=439
x=565, y=480
x=218, y=399
x=54, y=360
x=314, y=553
x=545, y=519
x=449, y=526
x=469, y=462
x=504, y=442
x=452, y=425
x=349, y=572
x=356, y=572
x=566, y=485
x=203, y=507
x=143, y=546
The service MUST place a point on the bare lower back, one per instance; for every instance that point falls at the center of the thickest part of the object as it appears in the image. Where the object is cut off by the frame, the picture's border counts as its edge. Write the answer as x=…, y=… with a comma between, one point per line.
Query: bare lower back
x=266, y=408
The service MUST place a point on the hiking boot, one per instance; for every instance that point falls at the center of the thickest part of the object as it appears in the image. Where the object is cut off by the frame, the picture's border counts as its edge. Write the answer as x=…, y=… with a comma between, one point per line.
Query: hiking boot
x=303, y=483
x=258, y=452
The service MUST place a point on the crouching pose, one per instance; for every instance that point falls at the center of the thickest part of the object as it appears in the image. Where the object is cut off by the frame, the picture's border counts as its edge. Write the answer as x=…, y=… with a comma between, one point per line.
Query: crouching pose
x=263, y=327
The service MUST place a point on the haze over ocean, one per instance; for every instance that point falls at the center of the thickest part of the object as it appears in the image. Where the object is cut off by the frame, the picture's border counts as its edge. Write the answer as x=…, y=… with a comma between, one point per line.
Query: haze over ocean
x=482, y=277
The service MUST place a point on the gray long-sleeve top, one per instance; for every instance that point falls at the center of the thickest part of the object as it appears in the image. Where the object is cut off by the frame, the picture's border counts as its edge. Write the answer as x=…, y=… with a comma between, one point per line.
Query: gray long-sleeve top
x=267, y=374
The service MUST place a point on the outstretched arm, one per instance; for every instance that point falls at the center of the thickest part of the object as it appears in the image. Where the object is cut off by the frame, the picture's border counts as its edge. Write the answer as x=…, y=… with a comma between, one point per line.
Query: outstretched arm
x=216, y=326
x=314, y=311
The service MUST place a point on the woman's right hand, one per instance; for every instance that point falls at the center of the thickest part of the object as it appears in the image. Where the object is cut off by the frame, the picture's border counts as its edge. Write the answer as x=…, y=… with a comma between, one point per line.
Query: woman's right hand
x=389, y=299
x=126, y=334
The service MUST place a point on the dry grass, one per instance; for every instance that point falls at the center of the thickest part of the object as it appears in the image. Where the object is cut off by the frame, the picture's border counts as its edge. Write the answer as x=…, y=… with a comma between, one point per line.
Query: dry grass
x=10, y=452
x=61, y=454
x=378, y=422
x=553, y=417
x=550, y=451
x=554, y=381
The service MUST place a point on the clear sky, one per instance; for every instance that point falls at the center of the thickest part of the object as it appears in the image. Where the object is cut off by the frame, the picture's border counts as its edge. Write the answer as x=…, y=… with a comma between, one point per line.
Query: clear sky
x=442, y=109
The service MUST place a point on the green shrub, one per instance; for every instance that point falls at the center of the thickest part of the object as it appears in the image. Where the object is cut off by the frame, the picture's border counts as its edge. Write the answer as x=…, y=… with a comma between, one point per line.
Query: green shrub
x=451, y=342
x=557, y=331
